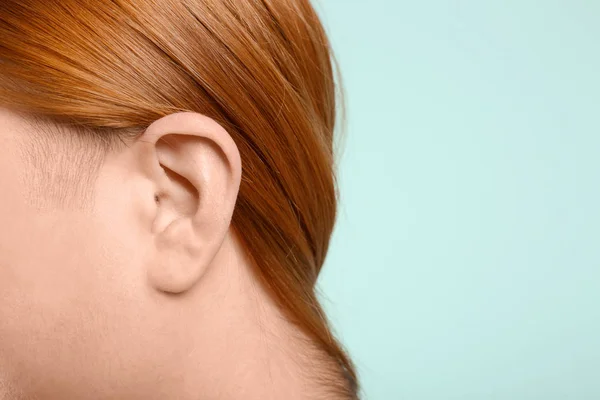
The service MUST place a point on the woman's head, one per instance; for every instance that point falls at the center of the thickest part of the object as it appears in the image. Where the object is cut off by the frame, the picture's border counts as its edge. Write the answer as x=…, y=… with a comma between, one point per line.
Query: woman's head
x=152, y=150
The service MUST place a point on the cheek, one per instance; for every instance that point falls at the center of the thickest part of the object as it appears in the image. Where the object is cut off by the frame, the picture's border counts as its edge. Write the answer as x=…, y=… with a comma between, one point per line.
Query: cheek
x=70, y=306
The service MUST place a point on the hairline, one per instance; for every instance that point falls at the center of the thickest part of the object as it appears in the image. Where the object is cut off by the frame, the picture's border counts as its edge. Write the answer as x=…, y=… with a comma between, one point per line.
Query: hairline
x=63, y=163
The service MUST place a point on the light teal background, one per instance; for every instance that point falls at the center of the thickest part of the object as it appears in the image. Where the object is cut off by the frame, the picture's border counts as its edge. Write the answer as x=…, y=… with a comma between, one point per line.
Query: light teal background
x=466, y=261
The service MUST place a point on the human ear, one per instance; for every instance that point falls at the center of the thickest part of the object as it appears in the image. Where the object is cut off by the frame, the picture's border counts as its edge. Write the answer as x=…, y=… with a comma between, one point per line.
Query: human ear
x=196, y=168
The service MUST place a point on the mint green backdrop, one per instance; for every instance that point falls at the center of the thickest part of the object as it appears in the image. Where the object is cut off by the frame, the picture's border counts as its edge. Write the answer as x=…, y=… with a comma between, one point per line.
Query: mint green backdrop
x=466, y=260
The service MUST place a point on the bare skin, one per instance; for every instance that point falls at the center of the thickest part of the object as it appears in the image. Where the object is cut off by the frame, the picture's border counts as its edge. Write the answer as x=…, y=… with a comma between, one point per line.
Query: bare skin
x=128, y=297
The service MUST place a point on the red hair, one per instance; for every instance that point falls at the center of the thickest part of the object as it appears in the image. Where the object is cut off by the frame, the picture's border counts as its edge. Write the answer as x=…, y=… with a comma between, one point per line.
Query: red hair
x=263, y=69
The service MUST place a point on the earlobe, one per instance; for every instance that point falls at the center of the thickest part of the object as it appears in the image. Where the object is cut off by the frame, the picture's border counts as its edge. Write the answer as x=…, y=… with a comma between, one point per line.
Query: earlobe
x=198, y=181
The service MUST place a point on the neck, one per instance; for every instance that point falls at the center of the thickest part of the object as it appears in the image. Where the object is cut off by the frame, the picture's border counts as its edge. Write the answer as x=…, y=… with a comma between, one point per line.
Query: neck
x=243, y=344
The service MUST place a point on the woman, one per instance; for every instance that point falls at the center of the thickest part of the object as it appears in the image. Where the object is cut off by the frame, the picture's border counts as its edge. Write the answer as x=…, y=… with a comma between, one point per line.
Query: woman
x=167, y=201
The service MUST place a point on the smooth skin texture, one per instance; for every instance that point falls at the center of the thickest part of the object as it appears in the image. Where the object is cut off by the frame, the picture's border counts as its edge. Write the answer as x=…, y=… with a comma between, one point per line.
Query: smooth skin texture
x=143, y=292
